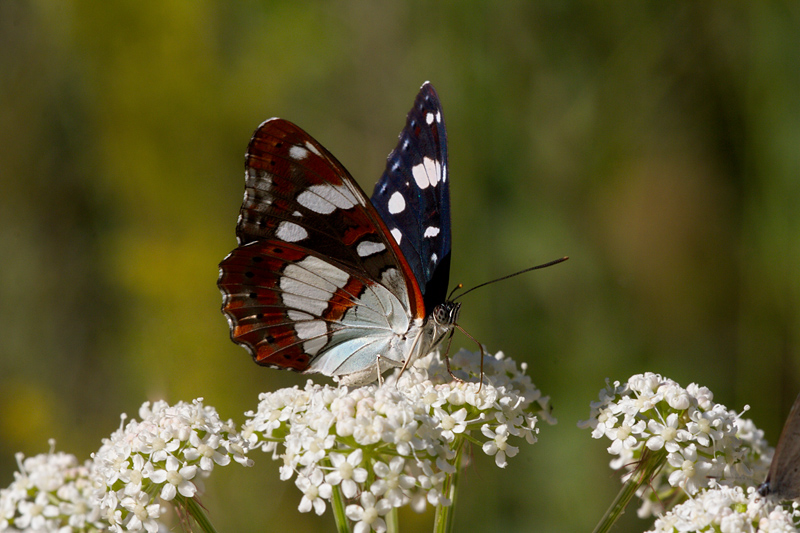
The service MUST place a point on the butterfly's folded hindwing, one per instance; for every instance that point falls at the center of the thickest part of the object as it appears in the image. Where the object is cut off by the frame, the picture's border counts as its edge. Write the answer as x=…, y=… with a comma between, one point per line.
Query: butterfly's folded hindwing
x=287, y=307
x=319, y=282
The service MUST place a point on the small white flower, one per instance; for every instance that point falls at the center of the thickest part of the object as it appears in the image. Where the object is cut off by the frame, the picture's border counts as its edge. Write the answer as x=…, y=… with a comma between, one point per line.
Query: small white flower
x=392, y=483
x=347, y=472
x=689, y=474
x=606, y=421
x=451, y=424
x=367, y=516
x=702, y=395
x=702, y=427
x=368, y=430
x=50, y=492
x=315, y=446
x=407, y=431
x=727, y=509
x=34, y=514
x=664, y=435
x=704, y=444
x=206, y=450
x=162, y=454
x=402, y=433
x=498, y=446
x=176, y=478
x=627, y=436
x=142, y=513
x=315, y=492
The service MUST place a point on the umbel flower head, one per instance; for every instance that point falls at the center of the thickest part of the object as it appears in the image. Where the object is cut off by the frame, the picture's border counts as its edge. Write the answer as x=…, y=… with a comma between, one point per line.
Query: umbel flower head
x=162, y=456
x=689, y=442
x=385, y=446
x=729, y=509
x=51, y=492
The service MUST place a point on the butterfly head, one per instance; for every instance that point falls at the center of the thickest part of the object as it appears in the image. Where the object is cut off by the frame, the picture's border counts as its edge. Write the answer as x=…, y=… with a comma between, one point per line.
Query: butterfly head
x=446, y=314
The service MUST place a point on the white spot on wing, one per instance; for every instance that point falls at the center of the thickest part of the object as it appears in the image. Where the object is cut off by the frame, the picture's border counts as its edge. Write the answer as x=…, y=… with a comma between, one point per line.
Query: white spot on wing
x=427, y=173
x=313, y=148
x=290, y=232
x=438, y=116
x=295, y=315
x=308, y=285
x=313, y=304
x=319, y=268
x=298, y=152
x=429, y=118
x=311, y=347
x=307, y=328
x=324, y=198
x=258, y=179
x=367, y=248
x=397, y=235
x=396, y=203
x=431, y=231
x=310, y=329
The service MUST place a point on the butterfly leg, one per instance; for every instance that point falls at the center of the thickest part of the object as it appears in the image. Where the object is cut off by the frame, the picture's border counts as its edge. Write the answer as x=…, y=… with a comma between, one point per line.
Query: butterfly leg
x=447, y=358
x=378, y=370
x=479, y=346
x=403, y=369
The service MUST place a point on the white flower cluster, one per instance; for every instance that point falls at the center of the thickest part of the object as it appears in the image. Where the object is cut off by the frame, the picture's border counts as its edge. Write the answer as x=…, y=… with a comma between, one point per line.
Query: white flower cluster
x=729, y=509
x=51, y=492
x=700, y=442
x=397, y=443
x=162, y=456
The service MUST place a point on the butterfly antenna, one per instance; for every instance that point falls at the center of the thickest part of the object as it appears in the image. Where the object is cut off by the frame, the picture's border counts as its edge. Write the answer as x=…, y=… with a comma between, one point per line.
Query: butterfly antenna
x=457, y=287
x=537, y=267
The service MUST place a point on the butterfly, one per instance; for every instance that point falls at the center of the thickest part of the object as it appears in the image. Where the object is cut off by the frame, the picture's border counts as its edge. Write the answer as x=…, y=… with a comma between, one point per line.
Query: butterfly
x=326, y=280
x=783, y=479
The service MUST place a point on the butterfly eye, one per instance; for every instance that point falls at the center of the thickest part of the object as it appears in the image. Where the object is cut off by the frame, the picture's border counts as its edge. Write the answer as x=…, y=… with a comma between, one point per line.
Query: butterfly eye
x=446, y=313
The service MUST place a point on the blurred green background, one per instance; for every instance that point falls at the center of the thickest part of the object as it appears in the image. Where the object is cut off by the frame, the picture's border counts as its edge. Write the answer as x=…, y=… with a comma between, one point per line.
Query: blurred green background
x=655, y=143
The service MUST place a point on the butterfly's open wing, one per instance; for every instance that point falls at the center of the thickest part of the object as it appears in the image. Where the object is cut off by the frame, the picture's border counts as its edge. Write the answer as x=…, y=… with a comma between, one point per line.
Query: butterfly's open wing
x=413, y=196
x=317, y=284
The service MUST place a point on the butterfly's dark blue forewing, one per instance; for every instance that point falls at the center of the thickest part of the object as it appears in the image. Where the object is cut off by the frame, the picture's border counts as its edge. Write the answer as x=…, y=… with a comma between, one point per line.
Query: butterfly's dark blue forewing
x=413, y=196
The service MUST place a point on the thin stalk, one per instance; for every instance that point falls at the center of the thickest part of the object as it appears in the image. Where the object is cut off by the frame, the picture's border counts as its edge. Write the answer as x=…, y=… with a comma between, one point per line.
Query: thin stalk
x=337, y=504
x=445, y=516
x=649, y=465
x=392, y=521
x=197, y=513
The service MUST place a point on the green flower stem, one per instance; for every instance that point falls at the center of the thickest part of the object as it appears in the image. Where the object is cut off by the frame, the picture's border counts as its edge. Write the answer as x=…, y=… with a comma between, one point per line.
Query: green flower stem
x=197, y=512
x=337, y=504
x=392, y=521
x=649, y=465
x=443, y=521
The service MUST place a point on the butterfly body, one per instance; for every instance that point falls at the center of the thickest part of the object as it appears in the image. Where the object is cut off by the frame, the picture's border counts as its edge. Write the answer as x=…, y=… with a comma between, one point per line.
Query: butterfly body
x=325, y=280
